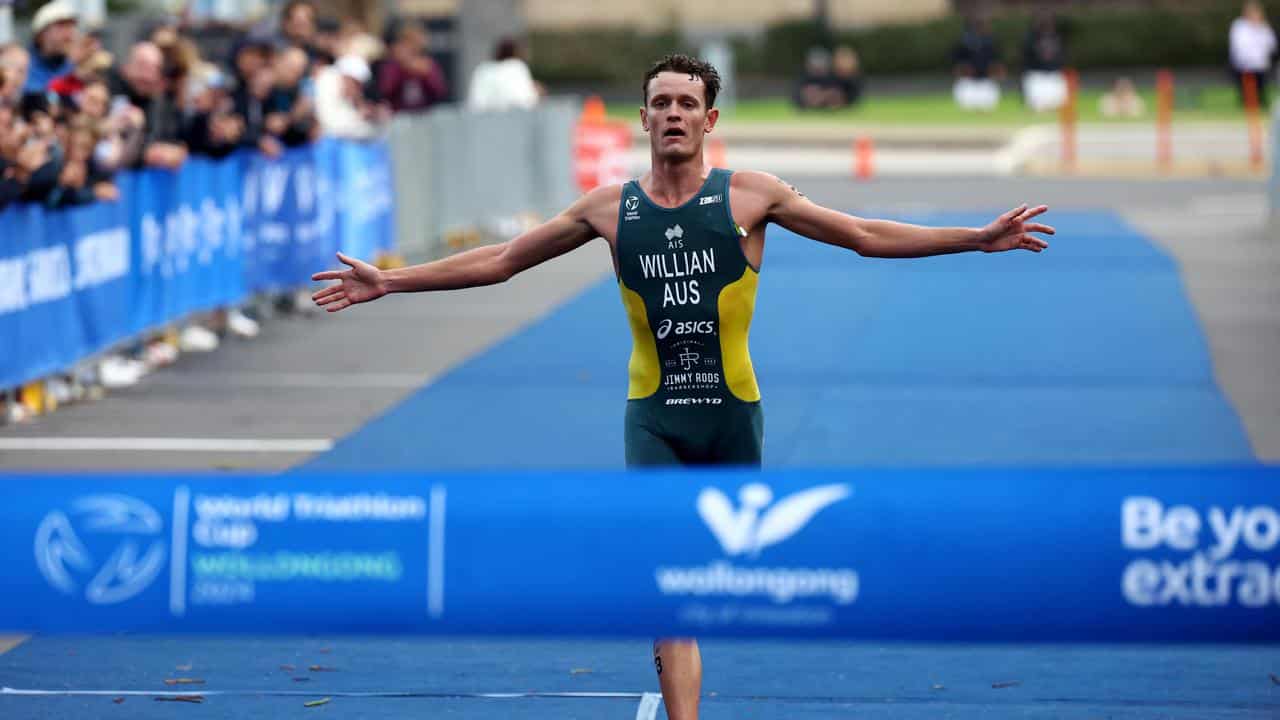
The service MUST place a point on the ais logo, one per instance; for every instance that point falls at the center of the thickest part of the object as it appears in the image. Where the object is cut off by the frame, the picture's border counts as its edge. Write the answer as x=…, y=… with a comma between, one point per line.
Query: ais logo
x=686, y=327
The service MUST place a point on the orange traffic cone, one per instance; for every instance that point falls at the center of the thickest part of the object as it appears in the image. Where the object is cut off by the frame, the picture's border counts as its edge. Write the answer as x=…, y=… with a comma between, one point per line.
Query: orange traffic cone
x=593, y=110
x=863, y=158
x=715, y=153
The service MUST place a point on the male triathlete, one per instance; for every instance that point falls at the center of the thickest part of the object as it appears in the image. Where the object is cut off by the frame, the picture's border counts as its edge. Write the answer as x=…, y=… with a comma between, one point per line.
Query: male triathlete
x=687, y=243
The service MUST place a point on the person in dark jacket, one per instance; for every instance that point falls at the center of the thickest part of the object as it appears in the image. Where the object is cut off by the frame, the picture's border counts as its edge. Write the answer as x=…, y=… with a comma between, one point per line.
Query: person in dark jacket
x=409, y=79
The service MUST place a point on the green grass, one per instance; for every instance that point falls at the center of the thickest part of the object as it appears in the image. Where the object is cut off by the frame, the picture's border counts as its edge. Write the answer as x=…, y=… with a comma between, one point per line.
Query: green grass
x=1215, y=103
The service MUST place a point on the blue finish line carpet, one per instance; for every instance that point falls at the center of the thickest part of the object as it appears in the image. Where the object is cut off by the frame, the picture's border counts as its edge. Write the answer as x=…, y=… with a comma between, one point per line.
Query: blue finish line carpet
x=1089, y=353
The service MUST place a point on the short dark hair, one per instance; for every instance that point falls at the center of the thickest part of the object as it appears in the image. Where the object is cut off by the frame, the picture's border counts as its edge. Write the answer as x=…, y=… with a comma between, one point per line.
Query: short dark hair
x=506, y=49
x=693, y=67
x=293, y=5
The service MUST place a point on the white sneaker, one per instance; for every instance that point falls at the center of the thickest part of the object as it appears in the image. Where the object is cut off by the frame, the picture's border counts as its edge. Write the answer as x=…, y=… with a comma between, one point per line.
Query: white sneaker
x=119, y=372
x=197, y=339
x=242, y=325
x=12, y=412
x=159, y=354
x=58, y=389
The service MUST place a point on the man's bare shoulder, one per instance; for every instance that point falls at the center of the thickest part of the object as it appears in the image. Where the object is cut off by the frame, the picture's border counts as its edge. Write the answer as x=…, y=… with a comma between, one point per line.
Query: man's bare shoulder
x=604, y=197
x=766, y=186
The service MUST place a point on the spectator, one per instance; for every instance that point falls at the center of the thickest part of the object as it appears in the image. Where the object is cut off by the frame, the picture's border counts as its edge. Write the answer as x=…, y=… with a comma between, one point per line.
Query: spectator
x=1044, y=86
x=341, y=107
x=212, y=126
x=328, y=37
x=82, y=179
x=142, y=83
x=1253, y=47
x=291, y=107
x=813, y=91
x=119, y=126
x=252, y=104
x=410, y=80
x=30, y=166
x=1122, y=101
x=54, y=36
x=93, y=62
x=10, y=145
x=14, y=64
x=298, y=26
x=846, y=76
x=504, y=82
x=976, y=66
x=181, y=58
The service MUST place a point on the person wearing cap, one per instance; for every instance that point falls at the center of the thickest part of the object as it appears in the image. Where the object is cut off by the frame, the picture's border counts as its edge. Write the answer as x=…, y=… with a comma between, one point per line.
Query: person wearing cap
x=54, y=34
x=341, y=108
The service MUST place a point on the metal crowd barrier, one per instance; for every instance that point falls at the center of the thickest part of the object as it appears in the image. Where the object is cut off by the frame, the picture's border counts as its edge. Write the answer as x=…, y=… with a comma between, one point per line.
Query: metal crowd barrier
x=465, y=178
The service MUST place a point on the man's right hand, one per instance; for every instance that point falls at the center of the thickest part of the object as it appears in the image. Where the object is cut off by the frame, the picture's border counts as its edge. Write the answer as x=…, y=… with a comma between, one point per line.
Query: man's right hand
x=361, y=283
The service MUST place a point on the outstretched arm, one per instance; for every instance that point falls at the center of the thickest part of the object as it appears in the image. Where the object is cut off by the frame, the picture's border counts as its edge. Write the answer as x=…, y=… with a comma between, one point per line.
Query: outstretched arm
x=487, y=265
x=887, y=239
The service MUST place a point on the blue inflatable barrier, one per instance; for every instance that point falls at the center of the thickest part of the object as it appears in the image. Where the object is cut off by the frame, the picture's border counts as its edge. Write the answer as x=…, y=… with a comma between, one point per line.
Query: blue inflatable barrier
x=74, y=282
x=1112, y=555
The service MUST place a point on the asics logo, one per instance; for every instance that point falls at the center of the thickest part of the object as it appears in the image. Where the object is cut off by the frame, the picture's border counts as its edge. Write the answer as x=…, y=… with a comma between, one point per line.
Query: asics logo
x=686, y=327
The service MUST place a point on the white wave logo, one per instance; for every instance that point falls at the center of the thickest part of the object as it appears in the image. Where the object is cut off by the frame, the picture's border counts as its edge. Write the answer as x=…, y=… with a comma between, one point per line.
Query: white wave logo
x=745, y=531
x=664, y=329
x=62, y=556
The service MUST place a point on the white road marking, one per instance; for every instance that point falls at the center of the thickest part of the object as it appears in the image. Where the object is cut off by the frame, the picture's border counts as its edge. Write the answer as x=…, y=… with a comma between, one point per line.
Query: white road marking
x=306, y=693
x=374, y=381
x=649, y=704
x=167, y=444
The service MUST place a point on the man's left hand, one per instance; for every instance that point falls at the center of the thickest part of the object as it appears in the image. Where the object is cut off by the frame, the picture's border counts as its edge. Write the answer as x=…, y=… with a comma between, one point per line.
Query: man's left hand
x=1012, y=231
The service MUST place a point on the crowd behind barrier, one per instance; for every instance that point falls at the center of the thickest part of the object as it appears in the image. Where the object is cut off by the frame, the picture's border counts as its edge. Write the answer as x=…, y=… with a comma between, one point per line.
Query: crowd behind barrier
x=78, y=281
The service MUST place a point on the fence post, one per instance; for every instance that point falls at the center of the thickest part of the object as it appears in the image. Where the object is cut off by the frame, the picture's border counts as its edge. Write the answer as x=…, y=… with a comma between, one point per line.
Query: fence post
x=1164, y=120
x=1067, y=116
x=1253, y=118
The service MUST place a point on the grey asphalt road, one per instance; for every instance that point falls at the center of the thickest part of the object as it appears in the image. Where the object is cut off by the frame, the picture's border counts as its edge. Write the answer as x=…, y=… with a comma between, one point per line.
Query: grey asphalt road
x=316, y=378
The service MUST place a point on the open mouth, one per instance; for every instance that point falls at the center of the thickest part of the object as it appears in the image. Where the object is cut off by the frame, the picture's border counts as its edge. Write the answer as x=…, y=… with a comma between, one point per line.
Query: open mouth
x=673, y=132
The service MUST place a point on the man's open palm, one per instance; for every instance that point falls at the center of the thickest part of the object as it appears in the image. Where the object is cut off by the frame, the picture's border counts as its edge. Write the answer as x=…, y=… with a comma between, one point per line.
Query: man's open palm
x=362, y=282
x=1011, y=231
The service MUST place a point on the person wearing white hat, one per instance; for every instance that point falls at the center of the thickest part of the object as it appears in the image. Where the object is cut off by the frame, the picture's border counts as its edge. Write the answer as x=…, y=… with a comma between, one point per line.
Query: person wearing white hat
x=54, y=32
x=341, y=108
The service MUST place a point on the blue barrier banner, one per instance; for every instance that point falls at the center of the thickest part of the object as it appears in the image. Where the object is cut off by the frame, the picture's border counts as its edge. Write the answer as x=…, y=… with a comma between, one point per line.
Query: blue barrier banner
x=1133, y=555
x=366, y=190
x=74, y=282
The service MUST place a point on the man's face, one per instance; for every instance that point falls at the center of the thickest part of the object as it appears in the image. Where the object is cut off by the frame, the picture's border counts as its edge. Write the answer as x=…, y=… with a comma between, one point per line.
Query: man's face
x=14, y=139
x=6, y=131
x=301, y=24
x=412, y=42
x=261, y=83
x=676, y=115
x=146, y=70
x=58, y=38
x=290, y=67
x=80, y=148
x=352, y=90
x=94, y=101
x=249, y=60
x=15, y=63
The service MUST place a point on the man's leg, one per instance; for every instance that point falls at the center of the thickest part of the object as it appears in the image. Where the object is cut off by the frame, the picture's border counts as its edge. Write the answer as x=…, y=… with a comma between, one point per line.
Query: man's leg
x=679, y=669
